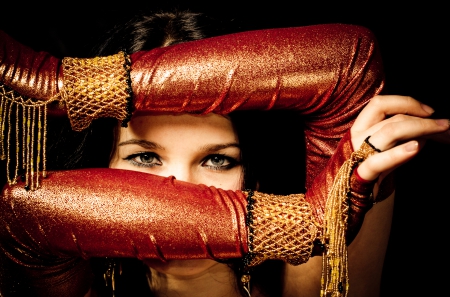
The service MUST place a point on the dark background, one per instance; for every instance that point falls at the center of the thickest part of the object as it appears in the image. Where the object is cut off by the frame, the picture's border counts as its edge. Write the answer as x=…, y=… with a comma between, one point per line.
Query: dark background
x=413, y=41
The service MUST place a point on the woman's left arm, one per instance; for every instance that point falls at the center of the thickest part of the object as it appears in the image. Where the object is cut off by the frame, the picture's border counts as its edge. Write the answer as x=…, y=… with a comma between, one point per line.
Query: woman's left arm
x=398, y=127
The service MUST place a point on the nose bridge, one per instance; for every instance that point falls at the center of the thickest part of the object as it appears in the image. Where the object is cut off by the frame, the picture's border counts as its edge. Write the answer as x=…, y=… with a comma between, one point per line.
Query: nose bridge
x=182, y=171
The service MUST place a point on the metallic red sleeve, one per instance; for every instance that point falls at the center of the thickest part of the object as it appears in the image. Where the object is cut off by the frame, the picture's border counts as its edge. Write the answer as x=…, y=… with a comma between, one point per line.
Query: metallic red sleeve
x=30, y=73
x=121, y=213
x=317, y=194
x=326, y=72
x=44, y=234
x=360, y=200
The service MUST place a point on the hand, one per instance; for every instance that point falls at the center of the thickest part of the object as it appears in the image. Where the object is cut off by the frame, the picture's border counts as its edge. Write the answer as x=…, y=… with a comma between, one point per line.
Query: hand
x=399, y=127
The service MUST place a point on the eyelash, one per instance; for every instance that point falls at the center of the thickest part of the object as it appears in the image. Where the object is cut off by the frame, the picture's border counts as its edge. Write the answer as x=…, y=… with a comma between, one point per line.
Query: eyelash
x=232, y=162
x=131, y=158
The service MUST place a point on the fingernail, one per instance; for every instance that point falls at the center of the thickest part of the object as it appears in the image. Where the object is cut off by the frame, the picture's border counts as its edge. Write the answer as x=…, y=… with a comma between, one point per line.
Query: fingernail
x=427, y=108
x=443, y=122
x=412, y=146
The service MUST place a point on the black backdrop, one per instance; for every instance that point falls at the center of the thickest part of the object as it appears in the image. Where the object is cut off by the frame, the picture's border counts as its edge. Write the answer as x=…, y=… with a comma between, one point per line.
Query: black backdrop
x=413, y=41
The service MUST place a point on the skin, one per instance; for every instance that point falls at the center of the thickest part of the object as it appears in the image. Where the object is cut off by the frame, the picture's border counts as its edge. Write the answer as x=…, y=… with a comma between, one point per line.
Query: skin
x=196, y=149
x=188, y=148
x=399, y=126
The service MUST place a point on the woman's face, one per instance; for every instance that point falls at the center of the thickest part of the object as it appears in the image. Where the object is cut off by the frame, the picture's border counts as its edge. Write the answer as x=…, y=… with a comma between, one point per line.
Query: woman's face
x=196, y=149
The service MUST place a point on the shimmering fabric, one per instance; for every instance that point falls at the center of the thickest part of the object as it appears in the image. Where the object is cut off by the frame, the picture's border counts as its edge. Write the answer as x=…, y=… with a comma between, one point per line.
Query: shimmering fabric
x=326, y=72
x=79, y=214
x=360, y=200
x=147, y=216
x=32, y=74
x=116, y=213
x=112, y=213
x=325, y=179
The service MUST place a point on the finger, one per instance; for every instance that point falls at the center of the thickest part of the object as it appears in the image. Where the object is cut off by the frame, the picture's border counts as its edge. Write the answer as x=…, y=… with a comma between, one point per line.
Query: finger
x=410, y=128
x=382, y=106
x=394, y=119
x=378, y=163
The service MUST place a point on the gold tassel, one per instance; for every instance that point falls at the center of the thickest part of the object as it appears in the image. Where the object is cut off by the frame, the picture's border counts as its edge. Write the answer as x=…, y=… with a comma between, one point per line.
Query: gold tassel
x=93, y=88
x=30, y=141
x=335, y=281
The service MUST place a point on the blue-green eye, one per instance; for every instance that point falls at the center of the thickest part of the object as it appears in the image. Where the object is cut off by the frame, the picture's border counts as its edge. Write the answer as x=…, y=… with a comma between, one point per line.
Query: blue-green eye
x=219, y=162
x=144, y=159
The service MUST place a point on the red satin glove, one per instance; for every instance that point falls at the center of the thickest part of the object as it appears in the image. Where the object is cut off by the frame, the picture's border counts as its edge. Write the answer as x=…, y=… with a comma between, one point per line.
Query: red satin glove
x=111, y=213
x=326, y=72
x=123, y=213
x=32, y=74
x=360, y=195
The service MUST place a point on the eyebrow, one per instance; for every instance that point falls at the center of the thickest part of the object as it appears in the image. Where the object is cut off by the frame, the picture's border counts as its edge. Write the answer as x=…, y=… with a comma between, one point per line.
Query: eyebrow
x=218, y=147
x=153, y=145
x=143, y=143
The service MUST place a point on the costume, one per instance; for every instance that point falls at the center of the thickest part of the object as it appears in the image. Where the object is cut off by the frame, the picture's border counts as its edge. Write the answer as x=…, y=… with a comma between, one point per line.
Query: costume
x=327, y=73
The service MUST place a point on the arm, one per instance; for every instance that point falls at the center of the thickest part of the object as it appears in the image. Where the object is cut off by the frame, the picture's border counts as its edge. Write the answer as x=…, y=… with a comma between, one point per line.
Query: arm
x=139, y=221
x=305, y=77
x=114, y=213
x=326, y=72
x=32, y=74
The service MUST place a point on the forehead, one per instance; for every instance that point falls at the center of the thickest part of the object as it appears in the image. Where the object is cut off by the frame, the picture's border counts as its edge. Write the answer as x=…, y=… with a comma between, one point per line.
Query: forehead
x=184, y=125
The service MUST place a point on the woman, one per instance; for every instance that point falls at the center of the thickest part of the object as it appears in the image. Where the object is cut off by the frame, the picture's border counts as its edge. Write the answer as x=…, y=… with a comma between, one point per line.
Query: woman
x=137, y=149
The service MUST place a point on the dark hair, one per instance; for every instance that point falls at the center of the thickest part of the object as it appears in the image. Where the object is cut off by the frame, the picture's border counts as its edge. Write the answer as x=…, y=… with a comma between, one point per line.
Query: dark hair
x=148, y=31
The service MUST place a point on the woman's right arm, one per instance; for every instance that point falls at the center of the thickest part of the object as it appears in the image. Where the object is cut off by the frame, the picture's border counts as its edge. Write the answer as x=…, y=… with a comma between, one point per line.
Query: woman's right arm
x=79, y=214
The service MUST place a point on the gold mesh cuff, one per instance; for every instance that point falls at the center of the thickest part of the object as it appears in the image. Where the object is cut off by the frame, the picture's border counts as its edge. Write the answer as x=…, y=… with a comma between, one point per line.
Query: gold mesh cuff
x=280, y=227
x=96, y=87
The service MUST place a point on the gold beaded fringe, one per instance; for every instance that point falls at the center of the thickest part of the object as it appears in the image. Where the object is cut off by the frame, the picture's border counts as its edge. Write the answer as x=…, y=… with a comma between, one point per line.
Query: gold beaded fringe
x=93, y=88
x=334, y=280
x=18, y=119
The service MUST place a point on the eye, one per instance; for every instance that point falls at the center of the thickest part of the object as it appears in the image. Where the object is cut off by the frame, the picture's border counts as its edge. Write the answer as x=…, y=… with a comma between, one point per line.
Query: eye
x=144, y=159
x=219, y=162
